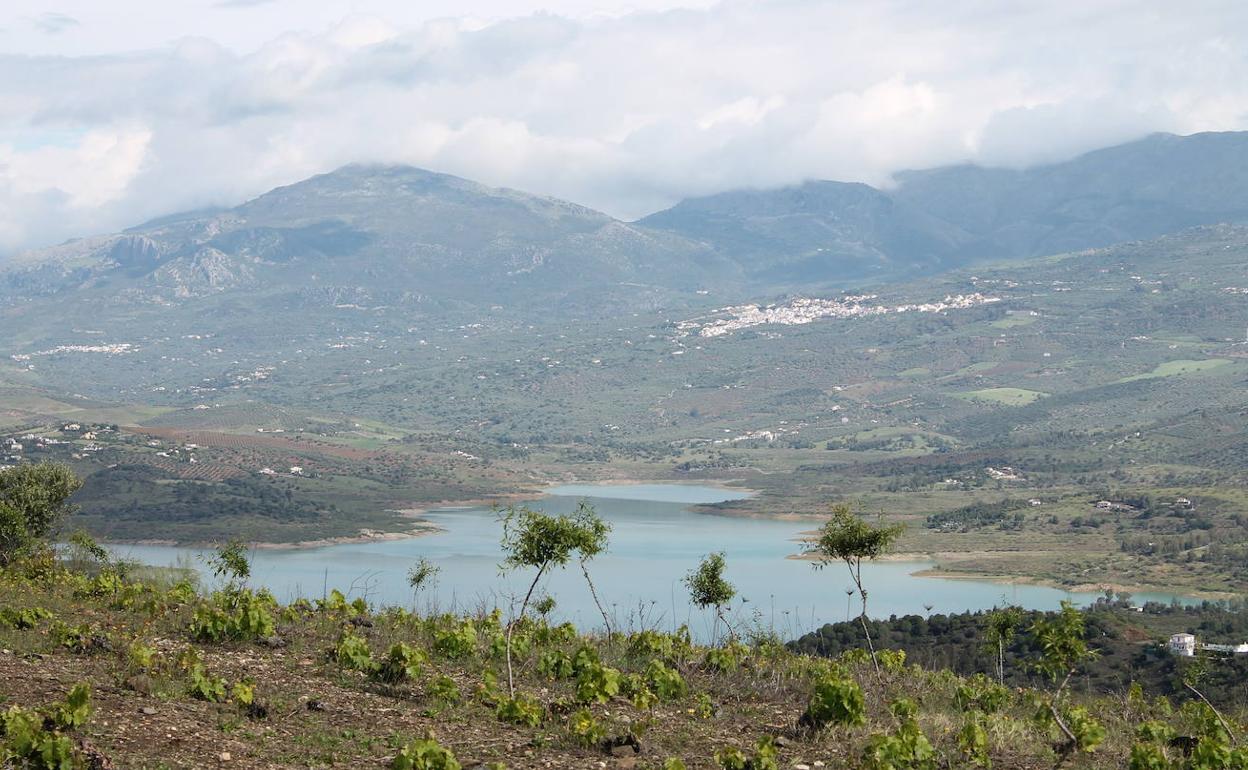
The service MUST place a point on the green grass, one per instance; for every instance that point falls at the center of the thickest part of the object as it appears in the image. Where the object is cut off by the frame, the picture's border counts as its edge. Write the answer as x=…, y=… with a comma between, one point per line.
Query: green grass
x=1011, y=321
x=1006, y=396
x=1178, y=367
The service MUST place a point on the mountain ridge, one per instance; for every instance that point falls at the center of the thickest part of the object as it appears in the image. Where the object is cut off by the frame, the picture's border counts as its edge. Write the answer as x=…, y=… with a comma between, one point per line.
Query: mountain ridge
x=392, y=232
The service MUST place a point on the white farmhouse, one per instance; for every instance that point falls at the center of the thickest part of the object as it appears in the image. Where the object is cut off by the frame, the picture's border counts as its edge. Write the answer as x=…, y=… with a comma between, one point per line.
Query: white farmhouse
x=1183, y=644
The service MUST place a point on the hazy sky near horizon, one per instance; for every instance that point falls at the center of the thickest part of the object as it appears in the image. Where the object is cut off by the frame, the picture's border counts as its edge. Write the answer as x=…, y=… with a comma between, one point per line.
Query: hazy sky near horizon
x=113, y=113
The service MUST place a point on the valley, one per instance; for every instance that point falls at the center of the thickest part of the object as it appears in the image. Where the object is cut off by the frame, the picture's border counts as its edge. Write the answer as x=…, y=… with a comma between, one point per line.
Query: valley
x=991, y=426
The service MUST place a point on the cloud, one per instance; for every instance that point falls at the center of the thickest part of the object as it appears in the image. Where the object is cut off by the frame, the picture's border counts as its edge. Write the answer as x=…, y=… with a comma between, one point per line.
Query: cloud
x=627, y=112
x=52, y=23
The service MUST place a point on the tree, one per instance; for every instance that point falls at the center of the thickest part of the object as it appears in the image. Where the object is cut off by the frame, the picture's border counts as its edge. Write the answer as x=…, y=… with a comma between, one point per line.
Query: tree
x=1062, y=649
x=847, y=538
x=1001, y=624
x=707, y=587
x=33, y=499
x=423, y=574
x=535, y=540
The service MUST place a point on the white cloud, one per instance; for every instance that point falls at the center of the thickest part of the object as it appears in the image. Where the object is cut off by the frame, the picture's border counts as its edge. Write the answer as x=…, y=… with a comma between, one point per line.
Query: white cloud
x=625, y=111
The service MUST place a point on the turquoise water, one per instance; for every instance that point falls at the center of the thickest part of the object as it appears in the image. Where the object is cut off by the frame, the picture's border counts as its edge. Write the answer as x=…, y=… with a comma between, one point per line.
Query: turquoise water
x=655, y=541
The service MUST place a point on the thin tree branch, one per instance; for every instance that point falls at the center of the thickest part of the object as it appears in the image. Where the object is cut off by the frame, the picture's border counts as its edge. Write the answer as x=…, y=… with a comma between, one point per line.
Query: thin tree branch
x=1216, y=713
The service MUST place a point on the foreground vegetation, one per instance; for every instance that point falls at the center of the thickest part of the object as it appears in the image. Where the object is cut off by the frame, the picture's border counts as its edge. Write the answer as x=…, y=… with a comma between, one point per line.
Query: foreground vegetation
x=183, y=679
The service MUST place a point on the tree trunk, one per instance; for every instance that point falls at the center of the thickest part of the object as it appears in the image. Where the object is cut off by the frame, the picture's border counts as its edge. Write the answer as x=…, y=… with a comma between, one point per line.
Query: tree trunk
x=511, y=684
x=594, y=593
x=855, y=571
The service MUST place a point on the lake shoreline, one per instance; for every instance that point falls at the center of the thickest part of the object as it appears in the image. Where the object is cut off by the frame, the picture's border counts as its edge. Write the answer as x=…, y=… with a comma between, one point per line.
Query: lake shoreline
x=936, y=572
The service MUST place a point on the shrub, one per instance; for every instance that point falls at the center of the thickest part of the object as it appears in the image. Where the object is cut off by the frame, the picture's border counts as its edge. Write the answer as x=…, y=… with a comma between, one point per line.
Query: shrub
x=27, y=617
x=457, y=643
x=204, y=686
x=667, y=683
x=1089, y=733
x=35, y=739
x=400, y=663
x=27, y=743
x=75, y=710
x=1148, y=756
x=235, y=614
x=520, y=710
x=555, y=664
x=892, y=661
x=424, y=754
x=765, y=757
x=353, y=653
x=585, y=729
x=905, y=748
x=837, y=701
x=973, y=740
x=444, y=689
x=597, y=683
x=982, y=694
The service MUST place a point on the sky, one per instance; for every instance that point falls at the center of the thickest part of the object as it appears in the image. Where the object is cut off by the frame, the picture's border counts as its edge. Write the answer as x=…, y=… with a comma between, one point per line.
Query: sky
x=114, y=113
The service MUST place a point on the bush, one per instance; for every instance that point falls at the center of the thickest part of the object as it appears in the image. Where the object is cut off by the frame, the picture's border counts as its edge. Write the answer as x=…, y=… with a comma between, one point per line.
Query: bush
x=457, y=643
x=424, y=754
x=444, y=689
x=27, y=617
x=836, y=701
x=400, y=664
x=520, y=710
x=597, y=683
x=235, y=615
x=35, y=739
x=353, y=653
x=667, y=683
x=765, y=757
x=585, y=729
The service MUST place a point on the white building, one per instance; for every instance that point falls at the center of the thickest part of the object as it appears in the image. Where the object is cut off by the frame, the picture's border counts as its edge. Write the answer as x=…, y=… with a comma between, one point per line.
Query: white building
x=1183, y=644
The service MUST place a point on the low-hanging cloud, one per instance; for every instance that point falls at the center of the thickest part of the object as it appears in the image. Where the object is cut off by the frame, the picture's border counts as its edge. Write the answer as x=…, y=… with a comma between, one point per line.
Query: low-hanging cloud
x=626, y=113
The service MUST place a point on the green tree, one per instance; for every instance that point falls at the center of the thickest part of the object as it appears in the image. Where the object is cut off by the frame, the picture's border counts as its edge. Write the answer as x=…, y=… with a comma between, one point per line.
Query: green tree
x=535, y=540
x=1063, y=649
x=33, y=499
x=422, y=575
x=848, y=539
x=1000, y=627
x=707, y=587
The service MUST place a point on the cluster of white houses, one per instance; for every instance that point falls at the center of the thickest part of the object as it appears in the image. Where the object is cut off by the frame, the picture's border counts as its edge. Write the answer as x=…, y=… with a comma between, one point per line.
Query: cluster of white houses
x=1186, y=646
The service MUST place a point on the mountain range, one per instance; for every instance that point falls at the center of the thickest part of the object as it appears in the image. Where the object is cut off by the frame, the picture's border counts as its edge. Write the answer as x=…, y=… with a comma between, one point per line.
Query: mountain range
x=395, y=235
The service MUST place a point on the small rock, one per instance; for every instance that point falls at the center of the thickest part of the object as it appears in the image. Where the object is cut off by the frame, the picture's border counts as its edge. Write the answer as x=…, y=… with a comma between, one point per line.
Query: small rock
x=149, y=710
x=225, y=756
x=275, y=641
x=782, y=742
x=800, y=766
x=626, y=763
x=623, y=751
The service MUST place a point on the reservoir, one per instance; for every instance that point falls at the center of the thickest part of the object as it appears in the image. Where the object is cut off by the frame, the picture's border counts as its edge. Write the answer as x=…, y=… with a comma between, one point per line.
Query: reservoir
x=655, y=541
